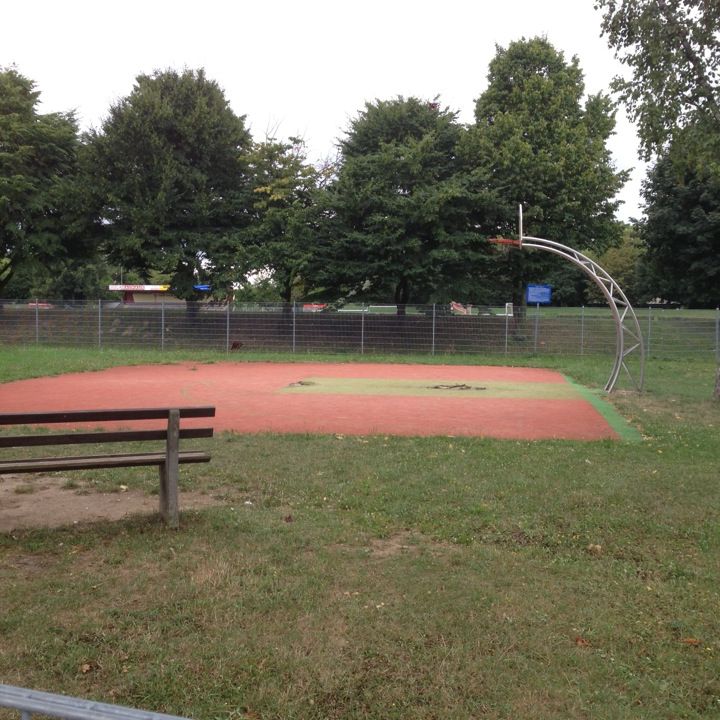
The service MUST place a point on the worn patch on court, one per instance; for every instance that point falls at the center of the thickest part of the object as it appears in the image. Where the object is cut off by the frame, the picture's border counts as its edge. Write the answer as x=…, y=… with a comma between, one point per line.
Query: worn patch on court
x=432, y=388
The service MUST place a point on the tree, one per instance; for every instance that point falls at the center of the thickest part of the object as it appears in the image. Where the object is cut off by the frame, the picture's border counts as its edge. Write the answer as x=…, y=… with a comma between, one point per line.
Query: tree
x=284, y=187
x=43, y=219
x=545, y=148
x=682, y=233
x=171, y=159
x=540, y=145
x=672, y=48
x=625, y=264
x=396, y=217
x=66, y=279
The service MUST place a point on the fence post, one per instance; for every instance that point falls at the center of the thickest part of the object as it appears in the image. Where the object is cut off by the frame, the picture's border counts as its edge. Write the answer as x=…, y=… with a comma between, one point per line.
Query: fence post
x=362, y=330
x=717, y=334
x=582, y=329
x=100, y=324
x=37, y=322
x=433, y=330
x=506, y=328
x=162, y=325
x=227, y=327
x=649, y=332
x=537, y=319
x=294, y=307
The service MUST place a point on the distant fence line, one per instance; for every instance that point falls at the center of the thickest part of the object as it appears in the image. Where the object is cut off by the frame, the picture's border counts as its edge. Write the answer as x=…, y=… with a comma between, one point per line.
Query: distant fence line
x=306, y=327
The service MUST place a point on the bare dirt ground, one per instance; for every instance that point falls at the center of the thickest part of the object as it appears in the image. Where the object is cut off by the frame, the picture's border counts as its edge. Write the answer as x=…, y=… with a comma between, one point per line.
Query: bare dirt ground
x=45, y=501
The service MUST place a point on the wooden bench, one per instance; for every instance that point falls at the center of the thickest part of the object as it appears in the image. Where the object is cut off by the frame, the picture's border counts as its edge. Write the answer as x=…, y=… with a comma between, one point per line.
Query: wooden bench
x=167, y=460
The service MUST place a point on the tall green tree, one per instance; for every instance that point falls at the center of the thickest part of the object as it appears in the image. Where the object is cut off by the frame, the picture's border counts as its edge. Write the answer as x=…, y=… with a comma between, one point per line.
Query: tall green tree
x=284, y=189
x=44, y=220
x=172, y=162
x=672, y=48
x=546, y=144
x=682, y=233
x=398, y=209
x=541, y=143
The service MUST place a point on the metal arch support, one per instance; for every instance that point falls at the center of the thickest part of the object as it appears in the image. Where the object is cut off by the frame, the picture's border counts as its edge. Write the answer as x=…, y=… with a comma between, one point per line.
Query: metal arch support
x=627, y=328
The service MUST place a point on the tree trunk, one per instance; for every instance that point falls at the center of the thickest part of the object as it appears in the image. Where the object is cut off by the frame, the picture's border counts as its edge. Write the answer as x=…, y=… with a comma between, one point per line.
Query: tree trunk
x=286, y=290
x=401, y=296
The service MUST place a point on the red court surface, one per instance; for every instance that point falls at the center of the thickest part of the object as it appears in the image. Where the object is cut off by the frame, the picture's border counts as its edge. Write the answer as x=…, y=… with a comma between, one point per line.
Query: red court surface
x=353, y=399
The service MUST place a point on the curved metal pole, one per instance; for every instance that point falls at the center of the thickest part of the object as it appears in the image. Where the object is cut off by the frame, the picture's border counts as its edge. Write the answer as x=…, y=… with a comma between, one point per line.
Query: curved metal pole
x=614, y=296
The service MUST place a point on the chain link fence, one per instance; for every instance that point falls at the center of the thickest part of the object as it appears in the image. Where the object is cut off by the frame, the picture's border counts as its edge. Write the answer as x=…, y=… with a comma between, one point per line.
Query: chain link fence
x=311, y=327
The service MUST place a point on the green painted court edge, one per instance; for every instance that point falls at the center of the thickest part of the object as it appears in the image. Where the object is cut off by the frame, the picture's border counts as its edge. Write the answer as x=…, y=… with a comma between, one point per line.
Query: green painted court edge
x=492, y=389
x=613, y=418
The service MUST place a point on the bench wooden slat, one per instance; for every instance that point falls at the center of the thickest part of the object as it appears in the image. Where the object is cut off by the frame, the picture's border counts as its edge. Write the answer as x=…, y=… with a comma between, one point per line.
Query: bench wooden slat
x=41, y=418
x=83, y=438
x=90, y=462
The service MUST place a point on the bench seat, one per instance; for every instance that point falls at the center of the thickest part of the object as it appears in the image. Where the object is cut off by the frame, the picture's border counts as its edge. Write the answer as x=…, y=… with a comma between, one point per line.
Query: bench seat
x=92, y=462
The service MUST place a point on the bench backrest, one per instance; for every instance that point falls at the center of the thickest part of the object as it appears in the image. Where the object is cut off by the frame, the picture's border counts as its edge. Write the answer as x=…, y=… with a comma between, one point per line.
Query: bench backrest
x=98, y=436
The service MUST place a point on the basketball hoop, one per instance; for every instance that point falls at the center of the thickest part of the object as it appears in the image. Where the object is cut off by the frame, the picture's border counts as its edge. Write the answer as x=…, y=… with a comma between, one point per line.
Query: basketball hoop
x=505, y=244
x=504, y=241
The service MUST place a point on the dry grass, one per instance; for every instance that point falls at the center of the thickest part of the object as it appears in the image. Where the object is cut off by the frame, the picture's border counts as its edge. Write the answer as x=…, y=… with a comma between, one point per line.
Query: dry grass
x=396, y=578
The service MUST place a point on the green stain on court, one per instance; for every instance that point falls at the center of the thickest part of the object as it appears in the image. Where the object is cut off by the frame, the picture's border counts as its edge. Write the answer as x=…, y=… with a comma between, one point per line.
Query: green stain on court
x=612, y=417
x=434, y=388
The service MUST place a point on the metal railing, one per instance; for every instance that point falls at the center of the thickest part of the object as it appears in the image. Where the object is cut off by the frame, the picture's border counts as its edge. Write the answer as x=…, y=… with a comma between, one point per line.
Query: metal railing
x=34, y=702
x=368, y=328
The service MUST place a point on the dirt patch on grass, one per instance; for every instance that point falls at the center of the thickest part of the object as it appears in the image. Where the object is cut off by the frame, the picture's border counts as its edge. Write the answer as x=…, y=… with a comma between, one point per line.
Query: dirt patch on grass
x=43, y=502
x=401, y=543
x=27, y=567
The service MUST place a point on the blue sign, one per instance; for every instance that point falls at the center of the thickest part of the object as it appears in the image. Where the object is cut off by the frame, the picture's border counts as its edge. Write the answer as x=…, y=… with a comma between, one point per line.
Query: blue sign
x=202, y=288
x=538, y=294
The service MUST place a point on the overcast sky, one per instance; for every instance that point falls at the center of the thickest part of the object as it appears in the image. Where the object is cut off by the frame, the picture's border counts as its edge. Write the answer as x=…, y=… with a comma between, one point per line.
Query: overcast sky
x=300, y=68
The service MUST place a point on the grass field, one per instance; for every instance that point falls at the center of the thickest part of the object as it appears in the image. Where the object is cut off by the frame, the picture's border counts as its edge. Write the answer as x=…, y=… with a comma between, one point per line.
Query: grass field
x=383, y=577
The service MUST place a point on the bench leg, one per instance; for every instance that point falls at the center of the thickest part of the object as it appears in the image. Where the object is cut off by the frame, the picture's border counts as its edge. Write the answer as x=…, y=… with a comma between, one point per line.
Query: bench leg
x=169, y=471
x=169, y=506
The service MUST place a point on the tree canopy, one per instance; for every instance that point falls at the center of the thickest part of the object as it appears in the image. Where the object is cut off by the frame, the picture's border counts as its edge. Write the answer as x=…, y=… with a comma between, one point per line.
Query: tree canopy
x=284, y=194
x=171, y=160
x=672, y=48
x=43, y=221
x=399, y=205
x=540, y=143
x=682, y=233
x=625, y=264
x=172, y=187
x=545, y=147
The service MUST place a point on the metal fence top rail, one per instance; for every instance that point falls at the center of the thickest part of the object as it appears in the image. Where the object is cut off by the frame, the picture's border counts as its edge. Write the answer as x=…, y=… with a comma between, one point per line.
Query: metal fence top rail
x=64, y=706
